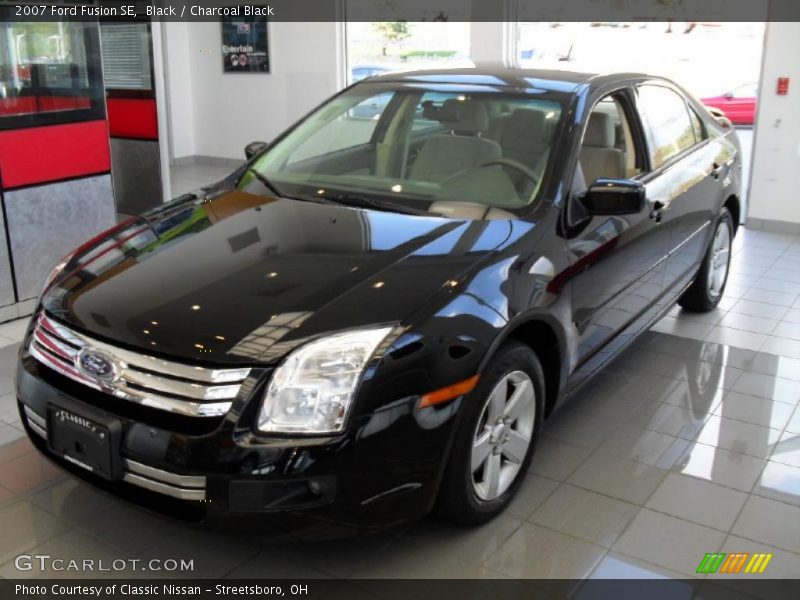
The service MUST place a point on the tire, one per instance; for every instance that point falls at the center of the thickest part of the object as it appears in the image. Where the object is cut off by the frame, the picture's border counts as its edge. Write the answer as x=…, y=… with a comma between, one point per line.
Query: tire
x=473, y=497
x=709, y=284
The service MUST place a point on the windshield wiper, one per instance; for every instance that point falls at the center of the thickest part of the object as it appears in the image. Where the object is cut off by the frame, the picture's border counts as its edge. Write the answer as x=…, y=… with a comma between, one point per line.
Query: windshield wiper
x=364, y=202
x=263, y=179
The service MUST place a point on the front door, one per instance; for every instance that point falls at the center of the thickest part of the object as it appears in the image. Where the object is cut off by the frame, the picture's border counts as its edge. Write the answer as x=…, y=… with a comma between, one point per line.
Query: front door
x=618, y=261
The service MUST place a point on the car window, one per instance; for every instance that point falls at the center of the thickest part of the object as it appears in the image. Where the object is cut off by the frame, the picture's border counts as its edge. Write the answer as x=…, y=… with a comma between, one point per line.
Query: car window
x=424, y=148
x=608, y=149
x=359, y=122
x=667, y=119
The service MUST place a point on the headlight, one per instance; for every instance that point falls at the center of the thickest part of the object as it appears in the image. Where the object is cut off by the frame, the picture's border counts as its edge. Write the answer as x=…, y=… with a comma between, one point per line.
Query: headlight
x=312, y=390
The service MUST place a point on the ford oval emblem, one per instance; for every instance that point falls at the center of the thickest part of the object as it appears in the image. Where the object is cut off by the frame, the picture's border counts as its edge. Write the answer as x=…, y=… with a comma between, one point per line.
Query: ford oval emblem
x=97, y=365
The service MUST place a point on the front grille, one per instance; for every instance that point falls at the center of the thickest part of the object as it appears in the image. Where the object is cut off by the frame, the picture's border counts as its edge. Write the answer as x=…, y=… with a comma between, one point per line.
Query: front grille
x=147, y=380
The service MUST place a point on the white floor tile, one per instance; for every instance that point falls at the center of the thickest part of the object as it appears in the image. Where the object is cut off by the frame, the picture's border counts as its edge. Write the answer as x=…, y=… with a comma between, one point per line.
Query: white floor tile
x=766, y=386
x=698, y=501
x=556, y=459
x=668, y=541
x=748, y=323
x=781, y=347
x=755, y=410
x=759, y=309
x=534, y=552
x=787, y=449
x=736, y=337
x=779, y=482
x=618, y=477
x=730, y=469
x=738, y=436
x=770, y=522
x=585, y=515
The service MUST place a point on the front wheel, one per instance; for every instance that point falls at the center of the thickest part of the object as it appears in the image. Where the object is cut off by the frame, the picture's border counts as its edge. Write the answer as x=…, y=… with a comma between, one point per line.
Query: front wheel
x=706, y=291
x=497, y=434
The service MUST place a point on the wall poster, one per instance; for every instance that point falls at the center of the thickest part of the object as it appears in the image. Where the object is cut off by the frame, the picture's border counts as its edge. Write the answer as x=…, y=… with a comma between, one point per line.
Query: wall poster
x=245, y=45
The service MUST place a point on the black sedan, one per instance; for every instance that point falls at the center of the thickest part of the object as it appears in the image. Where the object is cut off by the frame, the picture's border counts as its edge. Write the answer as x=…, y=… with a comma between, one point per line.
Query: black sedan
x=372, y=318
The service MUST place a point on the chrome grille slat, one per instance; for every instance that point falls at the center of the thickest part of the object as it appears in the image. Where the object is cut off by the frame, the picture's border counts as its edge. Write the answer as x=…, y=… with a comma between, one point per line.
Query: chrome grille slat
x=145, y=361
x=172, y=387
x=165, y=488
x=54, y=345
x=184, y=481
x=37, y=420
x=147, y=380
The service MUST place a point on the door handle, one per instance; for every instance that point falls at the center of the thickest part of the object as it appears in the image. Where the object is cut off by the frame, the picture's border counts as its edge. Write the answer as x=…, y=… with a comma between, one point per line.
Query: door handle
x=657, y=210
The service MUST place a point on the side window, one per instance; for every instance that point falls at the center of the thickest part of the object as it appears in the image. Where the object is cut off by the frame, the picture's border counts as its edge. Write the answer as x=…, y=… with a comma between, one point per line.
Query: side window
x=608, y=149
x=667, y=118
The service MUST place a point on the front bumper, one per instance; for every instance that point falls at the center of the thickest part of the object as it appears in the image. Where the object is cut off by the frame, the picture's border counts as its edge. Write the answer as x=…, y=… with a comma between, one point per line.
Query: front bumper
x=385, y=470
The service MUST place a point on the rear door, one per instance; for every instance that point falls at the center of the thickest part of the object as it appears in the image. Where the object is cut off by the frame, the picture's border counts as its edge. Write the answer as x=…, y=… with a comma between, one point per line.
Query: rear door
x=682, y=154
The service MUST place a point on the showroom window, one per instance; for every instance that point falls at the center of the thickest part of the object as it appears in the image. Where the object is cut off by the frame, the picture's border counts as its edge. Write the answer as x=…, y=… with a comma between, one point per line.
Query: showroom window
x=687, y=53
x=375, y=48
x=127, y=63
x=670, y=127
x=49, y=73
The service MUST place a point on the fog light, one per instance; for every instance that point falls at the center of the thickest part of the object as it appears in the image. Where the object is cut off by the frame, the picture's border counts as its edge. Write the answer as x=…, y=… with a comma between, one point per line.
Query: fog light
x=316, y=487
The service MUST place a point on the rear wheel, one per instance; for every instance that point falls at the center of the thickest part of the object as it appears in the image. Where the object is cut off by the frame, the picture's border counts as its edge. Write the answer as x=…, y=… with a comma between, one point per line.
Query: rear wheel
x=496, y=437
x=706, y=291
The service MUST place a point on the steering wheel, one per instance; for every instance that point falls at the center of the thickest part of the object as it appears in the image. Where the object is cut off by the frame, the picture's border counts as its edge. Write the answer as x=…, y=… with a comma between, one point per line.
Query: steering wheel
x=514, y=164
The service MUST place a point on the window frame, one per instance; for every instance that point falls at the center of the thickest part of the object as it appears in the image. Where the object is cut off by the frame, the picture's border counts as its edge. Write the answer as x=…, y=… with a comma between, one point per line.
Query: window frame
x=648, y=136
x=96, y=95
x=625, y=95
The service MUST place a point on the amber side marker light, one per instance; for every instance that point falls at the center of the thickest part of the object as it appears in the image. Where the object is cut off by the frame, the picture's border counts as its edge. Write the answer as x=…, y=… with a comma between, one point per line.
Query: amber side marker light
x=448, y=393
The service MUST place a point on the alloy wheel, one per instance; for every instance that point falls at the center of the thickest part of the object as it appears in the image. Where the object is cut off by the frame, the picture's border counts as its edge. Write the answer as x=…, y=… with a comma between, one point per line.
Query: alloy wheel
x=720, y=258
x=503, y=435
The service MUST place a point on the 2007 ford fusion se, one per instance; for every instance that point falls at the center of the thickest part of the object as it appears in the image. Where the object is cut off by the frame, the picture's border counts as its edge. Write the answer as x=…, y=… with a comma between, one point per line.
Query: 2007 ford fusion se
x=372, y=318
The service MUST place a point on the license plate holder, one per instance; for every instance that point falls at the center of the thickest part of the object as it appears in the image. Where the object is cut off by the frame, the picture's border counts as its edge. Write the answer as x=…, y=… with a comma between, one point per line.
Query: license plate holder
x=91, y=442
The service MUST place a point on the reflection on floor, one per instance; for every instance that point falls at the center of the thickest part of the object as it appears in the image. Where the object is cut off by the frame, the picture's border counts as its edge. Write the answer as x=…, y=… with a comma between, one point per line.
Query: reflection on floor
x=688, y=443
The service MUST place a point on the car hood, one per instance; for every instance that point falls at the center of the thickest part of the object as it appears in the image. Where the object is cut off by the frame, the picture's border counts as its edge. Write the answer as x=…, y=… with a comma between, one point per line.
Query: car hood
x=243, y=278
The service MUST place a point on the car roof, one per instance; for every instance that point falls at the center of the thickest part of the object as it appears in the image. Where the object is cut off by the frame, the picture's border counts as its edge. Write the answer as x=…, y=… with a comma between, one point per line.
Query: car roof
x=507, y=77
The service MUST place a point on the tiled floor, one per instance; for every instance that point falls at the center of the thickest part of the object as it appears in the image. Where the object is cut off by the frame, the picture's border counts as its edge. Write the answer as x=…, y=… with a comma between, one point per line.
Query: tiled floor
x=688, y=443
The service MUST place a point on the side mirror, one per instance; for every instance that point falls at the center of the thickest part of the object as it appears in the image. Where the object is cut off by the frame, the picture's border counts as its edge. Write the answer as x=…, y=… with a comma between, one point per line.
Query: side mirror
x=614, y=197
x=254, y=148
x=728, y=95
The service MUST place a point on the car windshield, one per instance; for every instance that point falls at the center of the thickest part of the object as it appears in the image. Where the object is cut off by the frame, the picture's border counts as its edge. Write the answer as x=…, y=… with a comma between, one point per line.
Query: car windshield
x=463, y=151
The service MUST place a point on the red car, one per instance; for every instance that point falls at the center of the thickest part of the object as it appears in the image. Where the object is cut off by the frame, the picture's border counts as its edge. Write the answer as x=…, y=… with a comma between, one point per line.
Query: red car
x=738, y=105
